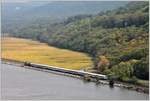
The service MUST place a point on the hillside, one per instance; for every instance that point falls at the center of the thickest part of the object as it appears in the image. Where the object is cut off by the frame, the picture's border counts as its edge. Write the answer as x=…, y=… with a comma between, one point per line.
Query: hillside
x=33, y=51
x=116, y=40
x=57, y=8
x=17, y=15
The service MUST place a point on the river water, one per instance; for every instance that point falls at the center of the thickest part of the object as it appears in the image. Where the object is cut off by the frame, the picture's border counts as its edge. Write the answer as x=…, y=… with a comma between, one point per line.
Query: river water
x=20, y=83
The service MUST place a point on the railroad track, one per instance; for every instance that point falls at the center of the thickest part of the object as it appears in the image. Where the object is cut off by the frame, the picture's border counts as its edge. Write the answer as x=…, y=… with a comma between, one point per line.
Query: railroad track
x=57, y=69
x=68, y=71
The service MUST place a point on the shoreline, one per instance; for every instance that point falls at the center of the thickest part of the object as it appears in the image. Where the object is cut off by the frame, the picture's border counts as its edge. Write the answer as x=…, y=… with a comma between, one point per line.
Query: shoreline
x=137, y=88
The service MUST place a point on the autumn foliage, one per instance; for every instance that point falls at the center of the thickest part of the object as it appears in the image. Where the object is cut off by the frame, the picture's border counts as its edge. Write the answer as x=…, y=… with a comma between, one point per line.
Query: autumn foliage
x=103, y=63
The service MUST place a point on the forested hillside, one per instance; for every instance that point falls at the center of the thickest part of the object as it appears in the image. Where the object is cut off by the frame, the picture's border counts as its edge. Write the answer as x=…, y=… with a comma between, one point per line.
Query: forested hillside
x=117, y=40
x=18, y=15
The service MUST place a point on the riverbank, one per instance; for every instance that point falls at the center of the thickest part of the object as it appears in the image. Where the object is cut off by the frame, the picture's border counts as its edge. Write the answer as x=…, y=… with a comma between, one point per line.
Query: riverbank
x=98, y=82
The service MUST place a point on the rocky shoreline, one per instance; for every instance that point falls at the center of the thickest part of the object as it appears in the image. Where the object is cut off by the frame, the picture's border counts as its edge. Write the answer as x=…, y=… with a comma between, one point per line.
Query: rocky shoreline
x=121, y=85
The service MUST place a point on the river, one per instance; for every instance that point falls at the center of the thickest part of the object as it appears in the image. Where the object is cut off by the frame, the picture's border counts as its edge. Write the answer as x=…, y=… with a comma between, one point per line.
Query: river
x=20, y=83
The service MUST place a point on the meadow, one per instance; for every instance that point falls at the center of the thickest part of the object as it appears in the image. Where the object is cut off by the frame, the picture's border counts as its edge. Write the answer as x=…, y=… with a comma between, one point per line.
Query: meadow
x=36, y=52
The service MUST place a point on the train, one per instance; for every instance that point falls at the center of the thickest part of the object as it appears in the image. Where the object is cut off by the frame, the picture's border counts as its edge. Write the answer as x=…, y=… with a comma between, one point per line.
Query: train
x=67, y=71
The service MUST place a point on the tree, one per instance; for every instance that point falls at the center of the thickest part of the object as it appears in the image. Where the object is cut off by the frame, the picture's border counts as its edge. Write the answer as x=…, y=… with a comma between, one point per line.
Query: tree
x=124, y=70
x=103, y=64
x=141, y=69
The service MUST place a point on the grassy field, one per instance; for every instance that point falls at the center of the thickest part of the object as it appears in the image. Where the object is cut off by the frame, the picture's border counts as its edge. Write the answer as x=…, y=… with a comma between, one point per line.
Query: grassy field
x=33, y=51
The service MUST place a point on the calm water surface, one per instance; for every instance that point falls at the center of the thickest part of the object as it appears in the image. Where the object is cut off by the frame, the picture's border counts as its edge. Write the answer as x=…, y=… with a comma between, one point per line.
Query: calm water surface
x=21, y=83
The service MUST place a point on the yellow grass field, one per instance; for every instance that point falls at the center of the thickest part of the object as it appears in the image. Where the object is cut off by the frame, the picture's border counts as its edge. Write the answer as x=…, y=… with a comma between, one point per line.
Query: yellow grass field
x=33, y=51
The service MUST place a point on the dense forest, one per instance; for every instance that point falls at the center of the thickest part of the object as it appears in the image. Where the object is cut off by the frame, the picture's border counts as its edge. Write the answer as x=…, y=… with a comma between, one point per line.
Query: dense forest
x=117, y=40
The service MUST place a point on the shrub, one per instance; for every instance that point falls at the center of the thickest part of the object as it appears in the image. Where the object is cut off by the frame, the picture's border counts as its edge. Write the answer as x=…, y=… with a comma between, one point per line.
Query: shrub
x=132, y=80
x=141, y=69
